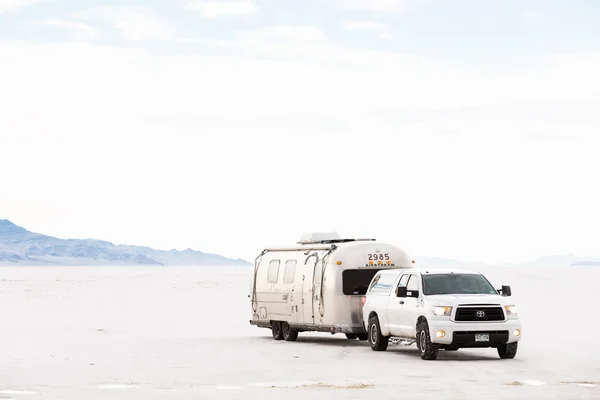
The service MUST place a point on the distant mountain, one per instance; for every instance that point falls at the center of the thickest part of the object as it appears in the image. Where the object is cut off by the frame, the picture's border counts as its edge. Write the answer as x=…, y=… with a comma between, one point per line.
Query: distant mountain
x=563, y=260
x=440, y=262
x=19, y=246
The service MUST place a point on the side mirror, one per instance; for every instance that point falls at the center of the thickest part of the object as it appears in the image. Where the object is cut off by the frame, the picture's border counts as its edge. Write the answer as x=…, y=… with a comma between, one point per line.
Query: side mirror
x=401, y=291
x=505, y=291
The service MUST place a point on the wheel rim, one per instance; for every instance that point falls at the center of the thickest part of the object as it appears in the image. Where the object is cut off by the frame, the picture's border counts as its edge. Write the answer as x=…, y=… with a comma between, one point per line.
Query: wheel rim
x=373, y=333
x=422, y=342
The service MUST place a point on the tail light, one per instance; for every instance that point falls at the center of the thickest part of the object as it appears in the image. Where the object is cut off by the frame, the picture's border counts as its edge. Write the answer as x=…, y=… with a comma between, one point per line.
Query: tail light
x=363, y=300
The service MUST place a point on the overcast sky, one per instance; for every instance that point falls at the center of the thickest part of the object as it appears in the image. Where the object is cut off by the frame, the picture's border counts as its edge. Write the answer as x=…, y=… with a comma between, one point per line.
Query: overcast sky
x=465, y=129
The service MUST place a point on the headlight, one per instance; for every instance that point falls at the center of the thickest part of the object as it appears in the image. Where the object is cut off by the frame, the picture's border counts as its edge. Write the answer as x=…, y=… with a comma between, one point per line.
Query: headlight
x=442, y=311
x=511, y=310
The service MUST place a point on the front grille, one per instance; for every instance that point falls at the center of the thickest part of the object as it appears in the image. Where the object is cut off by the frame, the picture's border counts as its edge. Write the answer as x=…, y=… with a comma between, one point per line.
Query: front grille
x=467, y=338
x=479, y=314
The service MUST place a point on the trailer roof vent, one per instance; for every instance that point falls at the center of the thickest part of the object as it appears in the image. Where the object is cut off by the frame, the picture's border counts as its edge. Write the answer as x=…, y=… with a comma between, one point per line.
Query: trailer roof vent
x=319, y=237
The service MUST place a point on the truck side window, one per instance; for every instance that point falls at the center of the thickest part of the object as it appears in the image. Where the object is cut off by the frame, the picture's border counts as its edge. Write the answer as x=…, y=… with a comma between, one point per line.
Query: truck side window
x=273, y=271
x=383, y=283
x=374, y=282
x=413, y=283
x=289, y=271
x=403, y=280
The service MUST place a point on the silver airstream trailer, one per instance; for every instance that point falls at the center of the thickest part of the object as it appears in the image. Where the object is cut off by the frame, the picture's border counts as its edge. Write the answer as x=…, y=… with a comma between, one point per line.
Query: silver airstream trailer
x=318, y=284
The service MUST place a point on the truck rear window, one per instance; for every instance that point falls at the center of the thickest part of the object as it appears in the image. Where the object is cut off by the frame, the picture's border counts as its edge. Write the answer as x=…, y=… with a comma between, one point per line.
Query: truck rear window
x=356, y=281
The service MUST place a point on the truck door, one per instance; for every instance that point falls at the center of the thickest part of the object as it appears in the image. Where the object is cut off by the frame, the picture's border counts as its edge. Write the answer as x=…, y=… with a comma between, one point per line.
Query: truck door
x=395, y=308
x=408, y=319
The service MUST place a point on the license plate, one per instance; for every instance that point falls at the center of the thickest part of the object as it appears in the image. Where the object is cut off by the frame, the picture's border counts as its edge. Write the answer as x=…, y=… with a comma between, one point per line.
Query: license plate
x=482, y=337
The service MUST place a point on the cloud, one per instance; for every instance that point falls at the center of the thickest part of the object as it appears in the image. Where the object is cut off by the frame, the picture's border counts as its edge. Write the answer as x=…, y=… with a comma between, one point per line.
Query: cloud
x=13, y=5
x=381, y=29
x=284, y=34
x=124, y=132
x=134, y=23
x=220, y=8
x=378, y=5
x=533, y=18
x=78, y=30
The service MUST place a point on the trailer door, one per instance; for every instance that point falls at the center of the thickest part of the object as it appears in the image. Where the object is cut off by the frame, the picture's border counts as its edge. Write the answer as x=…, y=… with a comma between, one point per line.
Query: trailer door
x=308, y=289
x=316, y=292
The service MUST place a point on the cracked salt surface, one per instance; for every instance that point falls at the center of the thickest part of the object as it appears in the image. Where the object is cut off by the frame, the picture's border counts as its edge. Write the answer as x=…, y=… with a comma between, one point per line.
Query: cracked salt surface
x=116, y=386
x=533, y=382
x=146, y=337
x=18, y=392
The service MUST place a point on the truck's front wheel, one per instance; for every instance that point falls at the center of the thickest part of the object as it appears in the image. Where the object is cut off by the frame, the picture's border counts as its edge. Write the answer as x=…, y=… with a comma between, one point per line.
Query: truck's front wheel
x=377, y=341
x=508, y=350
x=428, y=350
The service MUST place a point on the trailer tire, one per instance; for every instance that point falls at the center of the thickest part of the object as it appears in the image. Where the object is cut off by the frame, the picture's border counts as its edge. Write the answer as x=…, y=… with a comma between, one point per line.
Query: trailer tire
x=351, y=336
x=508, y=350
x=289, y=334
x=363, y=336
x=276, y=330
x=377, y=341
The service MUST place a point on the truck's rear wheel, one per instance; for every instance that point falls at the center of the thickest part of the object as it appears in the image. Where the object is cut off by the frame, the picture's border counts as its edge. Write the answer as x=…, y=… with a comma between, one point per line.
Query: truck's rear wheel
x=377, y=341
x=351, y=336
x=289, y=334
x=276, y=330
x=363, y=336
x=508, y=350
x=428, y=350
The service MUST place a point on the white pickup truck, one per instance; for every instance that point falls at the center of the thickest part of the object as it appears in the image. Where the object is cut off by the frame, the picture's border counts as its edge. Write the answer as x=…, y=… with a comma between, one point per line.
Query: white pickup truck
x=440, y=309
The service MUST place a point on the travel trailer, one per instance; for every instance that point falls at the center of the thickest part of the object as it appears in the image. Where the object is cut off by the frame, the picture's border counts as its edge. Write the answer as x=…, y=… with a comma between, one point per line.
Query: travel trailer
x=318, y=284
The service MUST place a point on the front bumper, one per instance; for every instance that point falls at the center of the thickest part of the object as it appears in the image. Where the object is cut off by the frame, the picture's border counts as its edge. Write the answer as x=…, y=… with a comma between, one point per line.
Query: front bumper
x=463, y=334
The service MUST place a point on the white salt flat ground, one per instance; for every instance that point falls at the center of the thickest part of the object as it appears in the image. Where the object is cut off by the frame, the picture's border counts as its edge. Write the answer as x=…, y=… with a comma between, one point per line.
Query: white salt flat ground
x=183, y=333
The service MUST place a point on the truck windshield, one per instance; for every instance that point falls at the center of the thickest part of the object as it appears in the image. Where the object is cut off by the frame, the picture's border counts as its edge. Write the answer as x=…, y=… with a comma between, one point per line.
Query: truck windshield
x=456, y=284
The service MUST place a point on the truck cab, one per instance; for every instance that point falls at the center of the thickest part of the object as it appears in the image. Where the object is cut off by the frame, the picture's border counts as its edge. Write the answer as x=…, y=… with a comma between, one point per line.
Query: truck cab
x=440, y=309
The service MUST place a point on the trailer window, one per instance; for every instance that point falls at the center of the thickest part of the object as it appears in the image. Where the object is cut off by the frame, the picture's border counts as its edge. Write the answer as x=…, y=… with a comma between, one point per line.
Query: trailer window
x=356, y=281
x=289, y=271
x=273, y=271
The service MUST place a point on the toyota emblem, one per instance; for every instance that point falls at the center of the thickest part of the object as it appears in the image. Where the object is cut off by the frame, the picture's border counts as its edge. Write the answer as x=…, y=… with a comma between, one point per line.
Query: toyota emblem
x=480, y=314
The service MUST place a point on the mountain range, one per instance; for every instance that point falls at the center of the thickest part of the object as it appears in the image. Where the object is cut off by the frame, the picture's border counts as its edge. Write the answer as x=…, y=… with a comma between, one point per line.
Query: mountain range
x=18, y=246
x=560, y=260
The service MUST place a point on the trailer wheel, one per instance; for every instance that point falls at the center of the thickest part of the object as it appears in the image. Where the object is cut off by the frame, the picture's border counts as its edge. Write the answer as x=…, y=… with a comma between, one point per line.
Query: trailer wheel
x=376, y=339
x=351, y=336
x=276, y=330
x=289, y=334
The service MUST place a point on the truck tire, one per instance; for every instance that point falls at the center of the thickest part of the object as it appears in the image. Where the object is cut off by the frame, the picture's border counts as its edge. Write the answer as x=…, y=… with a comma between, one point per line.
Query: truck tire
x=276, y=330
x=428, y=350
x=289, y=334
x=377, y=341
x=363, y=336
x=508, y=350
x=351, y=336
